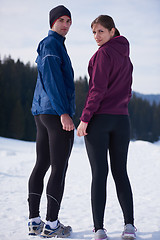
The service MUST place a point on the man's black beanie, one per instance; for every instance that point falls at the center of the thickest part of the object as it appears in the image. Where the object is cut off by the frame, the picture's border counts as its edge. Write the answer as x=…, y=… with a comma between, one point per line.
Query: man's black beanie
x=58, y=12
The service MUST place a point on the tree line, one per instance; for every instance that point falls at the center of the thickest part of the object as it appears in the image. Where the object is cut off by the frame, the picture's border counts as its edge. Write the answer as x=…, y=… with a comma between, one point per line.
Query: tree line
x=17, y=83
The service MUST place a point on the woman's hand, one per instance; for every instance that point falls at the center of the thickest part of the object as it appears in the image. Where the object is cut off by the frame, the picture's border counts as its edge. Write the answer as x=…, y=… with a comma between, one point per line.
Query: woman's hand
x=81, y=130
x=67, y=123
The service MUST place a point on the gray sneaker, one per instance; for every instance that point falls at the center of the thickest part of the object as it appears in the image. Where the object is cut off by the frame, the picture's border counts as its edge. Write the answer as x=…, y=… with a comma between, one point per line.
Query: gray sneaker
x=100, y=235
x=35, y=228
x=59, y=232
x=129, y=232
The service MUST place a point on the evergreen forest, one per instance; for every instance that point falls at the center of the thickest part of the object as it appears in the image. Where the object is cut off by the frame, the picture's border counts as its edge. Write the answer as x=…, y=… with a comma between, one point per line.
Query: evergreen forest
x=17, y=83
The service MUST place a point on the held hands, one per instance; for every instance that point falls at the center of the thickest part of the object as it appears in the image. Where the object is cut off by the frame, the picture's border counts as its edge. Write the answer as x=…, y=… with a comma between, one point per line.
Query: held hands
x=81, y=130
x=67, y=123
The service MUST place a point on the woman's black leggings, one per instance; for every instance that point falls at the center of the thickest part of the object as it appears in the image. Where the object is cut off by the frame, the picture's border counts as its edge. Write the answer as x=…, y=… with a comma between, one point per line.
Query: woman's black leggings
x=109, y=132
x=53, y=146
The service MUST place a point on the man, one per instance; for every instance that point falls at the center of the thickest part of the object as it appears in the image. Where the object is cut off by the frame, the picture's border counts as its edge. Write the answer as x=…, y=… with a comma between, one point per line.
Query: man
x=53, y=107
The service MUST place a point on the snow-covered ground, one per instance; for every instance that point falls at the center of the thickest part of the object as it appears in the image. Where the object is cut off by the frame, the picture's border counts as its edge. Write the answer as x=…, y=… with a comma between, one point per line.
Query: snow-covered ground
x=16, y=162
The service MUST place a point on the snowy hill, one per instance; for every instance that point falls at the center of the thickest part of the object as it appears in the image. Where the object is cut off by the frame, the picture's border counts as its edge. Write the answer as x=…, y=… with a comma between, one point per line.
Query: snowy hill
x=16, y=162
x=149, y=97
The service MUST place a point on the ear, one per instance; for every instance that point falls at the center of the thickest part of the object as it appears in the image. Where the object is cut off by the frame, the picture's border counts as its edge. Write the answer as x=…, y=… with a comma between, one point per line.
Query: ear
x=112, y=32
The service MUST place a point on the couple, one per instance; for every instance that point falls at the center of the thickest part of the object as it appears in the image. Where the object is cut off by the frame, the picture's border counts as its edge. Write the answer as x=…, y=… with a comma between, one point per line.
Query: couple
x=104, y=123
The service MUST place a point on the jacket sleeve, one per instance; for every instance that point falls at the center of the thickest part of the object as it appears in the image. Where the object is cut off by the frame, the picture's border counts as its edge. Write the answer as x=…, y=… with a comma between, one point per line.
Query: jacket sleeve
x=98, y=85
x=53, y=81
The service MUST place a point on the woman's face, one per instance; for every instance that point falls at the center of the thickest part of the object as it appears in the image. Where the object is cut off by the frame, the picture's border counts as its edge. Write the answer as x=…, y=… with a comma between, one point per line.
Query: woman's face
x=102, y=34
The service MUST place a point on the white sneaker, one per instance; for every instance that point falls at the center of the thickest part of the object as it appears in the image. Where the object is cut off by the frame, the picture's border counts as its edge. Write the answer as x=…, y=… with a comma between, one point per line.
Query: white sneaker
x=129, y=232
x=100, y=235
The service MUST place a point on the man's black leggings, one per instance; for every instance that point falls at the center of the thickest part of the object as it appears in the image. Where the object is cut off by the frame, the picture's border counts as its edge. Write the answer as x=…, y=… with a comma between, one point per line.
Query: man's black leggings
x=53, y=146
x=109, y=132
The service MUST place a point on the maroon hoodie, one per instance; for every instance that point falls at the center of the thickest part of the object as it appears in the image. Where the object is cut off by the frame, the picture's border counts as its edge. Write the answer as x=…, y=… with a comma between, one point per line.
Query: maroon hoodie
x=110, y=71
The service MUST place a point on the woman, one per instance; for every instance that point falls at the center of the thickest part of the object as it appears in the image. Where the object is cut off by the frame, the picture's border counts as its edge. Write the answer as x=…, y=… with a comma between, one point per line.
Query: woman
x=105, y=122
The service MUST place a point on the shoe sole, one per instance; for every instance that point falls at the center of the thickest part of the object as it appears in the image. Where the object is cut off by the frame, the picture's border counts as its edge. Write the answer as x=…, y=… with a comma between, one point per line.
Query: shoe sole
x=100, y=238
x=43, y=235
x=54, y=236
x=128, y=237
x=106, y=238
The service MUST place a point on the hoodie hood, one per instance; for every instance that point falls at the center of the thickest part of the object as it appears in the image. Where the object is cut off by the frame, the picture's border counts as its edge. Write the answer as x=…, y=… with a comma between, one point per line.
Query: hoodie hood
x=120, y=44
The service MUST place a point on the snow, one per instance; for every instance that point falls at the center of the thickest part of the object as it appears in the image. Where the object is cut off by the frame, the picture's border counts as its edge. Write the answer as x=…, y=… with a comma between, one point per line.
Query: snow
x=16, y=162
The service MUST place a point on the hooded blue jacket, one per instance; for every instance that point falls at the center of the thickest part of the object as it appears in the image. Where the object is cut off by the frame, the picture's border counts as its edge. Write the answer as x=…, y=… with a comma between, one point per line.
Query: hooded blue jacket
x=54, y=91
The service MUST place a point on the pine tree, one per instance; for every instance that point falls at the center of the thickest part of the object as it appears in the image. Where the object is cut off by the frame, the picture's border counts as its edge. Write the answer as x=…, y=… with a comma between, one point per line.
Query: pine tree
x=17, y=84
x=81, y=89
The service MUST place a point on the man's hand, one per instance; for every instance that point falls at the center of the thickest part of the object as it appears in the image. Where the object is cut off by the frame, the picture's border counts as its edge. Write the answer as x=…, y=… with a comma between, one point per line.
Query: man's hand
x=81, y=130
x=67, y=123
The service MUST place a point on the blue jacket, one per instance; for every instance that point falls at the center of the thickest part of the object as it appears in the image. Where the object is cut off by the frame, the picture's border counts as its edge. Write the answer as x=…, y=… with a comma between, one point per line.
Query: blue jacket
x=54, y=91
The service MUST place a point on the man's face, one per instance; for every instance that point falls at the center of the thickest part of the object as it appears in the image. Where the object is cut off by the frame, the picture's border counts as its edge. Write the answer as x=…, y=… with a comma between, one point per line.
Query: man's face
x=62, y=25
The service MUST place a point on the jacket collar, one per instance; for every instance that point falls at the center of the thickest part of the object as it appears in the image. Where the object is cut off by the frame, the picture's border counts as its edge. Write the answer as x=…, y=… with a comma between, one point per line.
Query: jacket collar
x=57, y=36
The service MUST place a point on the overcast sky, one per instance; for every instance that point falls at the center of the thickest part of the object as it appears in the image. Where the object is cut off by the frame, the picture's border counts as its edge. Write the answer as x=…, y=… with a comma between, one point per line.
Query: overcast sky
x=23, y=23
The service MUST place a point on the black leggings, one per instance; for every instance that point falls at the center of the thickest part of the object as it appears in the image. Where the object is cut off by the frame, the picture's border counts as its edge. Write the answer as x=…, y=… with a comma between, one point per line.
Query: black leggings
x=109, y=132
x=53, y=146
